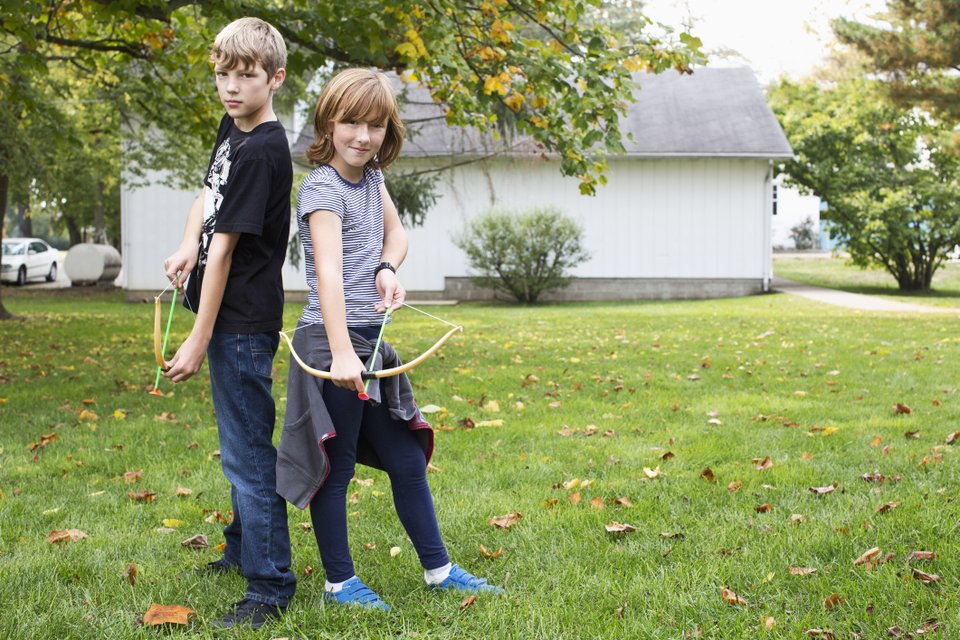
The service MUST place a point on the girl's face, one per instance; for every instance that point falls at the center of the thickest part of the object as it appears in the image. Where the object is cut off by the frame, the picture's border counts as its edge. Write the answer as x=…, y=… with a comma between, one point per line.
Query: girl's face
x=356, y=143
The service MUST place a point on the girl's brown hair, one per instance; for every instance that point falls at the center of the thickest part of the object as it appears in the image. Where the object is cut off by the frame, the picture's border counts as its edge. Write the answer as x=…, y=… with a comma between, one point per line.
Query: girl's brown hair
x=357, y=94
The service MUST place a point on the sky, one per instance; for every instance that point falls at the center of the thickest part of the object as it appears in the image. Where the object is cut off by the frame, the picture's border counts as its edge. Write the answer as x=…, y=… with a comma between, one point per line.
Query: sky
x=773, y=37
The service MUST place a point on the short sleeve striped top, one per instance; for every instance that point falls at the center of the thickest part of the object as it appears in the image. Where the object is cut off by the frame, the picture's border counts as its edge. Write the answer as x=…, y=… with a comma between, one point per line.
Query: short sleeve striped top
x=360, y=209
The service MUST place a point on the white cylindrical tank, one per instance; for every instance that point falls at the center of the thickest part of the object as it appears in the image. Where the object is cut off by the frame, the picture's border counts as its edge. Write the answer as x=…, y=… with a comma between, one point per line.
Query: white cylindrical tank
x=89, y=263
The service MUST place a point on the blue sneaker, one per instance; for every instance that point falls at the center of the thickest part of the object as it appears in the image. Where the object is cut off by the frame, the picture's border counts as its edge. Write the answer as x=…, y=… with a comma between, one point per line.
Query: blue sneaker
x=462, y=580
x=356, y=593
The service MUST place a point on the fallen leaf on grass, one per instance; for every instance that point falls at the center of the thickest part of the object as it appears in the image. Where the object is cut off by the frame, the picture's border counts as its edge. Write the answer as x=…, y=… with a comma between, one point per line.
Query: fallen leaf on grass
x=707, y=474
x=44, y=441
x=824, y=490
x=821, y=634
x=130, y=574
x=796, y=518
x=767, y=622
x=395, y=551
x=925, y=578
x=619, y=527
x=430, y=408
x=597, y=503
x=132, y=476
x=867, y=555
x=651, y=473
x=666, y=456
x=833, y=601
x=912, y=435
x=901, y=408
x=183, y=491
x=490, y=554
x=762, y=464
x=731, y=598
x=173, y=523
x=166, y=614
x=876, y=442
x=506, y=521
x=887, y=506
x=920, y=555
x=623, y=502
x=801, y=571
x=763, y=508
x=735, y=485
x=575, y=498
x=952, y=437
x=66, y=535
x=198, y=541
x=144, y=495
x=469, y=600
x=86, y=415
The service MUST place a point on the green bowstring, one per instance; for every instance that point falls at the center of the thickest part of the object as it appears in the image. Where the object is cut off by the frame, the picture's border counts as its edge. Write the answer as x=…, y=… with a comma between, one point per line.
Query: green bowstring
x=166, y=336
x=373, y=357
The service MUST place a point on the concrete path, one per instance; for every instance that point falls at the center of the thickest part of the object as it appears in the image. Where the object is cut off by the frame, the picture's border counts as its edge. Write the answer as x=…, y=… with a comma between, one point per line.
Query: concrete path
x=855, y=301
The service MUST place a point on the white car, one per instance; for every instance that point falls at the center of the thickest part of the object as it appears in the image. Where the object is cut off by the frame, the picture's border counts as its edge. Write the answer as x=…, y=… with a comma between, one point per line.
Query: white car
x=28, y=258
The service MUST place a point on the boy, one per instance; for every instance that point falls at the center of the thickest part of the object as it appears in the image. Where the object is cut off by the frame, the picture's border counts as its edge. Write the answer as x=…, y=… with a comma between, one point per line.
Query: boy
x=241, y=223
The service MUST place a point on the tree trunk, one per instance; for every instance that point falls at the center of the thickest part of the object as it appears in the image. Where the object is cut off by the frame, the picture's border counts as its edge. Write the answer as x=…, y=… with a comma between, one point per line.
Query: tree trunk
x=4, y=183
x=99, y=224
x=24, y=221
x=73, y=230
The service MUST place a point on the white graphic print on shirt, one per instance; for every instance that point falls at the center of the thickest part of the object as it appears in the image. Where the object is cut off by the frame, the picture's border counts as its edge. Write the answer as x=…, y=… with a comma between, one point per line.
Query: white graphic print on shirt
x=217, y=179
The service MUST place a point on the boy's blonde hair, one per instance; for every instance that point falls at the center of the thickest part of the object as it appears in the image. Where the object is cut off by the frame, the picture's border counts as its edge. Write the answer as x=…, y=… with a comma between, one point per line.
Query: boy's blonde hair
x=247, y=42
x=363, y=95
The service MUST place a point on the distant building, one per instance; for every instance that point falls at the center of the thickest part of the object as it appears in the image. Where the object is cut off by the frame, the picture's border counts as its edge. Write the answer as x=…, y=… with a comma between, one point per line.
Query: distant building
x=687, y=211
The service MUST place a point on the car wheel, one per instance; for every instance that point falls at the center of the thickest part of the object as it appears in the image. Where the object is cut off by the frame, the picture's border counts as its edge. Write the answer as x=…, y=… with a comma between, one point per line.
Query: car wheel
x=22, y=276
x=52, y=276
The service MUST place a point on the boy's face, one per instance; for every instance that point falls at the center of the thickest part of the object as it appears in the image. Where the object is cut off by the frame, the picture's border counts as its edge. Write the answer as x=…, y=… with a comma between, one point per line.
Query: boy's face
x=245, y=93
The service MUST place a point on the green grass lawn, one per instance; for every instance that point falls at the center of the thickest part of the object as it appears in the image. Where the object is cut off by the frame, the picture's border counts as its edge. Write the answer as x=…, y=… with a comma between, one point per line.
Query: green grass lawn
x=837, y=273
x=597, y=397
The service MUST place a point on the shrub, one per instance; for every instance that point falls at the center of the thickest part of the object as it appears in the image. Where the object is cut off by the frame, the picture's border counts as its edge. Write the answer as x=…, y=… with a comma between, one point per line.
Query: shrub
x=524, y=254
x=804, y=235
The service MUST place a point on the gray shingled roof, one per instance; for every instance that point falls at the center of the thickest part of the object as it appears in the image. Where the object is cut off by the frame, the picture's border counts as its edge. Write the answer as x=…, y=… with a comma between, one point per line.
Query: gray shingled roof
x=713, y=112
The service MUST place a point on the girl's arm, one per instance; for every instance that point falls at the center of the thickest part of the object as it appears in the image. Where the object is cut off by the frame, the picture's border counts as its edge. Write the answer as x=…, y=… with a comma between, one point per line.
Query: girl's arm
x=392, y=293
x=325, y=231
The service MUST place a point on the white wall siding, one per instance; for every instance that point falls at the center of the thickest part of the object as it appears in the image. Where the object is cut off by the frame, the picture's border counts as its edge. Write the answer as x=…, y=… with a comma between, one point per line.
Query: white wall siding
x=671, y=218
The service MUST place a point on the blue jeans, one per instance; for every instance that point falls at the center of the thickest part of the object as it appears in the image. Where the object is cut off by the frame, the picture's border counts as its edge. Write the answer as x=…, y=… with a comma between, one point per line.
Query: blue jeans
x=257, y=540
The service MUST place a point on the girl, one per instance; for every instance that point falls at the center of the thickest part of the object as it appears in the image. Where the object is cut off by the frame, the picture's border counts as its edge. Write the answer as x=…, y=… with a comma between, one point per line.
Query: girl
x=353, y=241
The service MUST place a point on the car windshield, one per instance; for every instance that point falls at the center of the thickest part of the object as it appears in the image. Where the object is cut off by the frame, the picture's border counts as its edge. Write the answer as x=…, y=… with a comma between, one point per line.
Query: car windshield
x=14, y=248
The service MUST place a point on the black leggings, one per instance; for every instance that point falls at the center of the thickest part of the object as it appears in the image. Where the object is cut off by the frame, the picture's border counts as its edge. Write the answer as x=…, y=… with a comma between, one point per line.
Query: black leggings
x=405, y=463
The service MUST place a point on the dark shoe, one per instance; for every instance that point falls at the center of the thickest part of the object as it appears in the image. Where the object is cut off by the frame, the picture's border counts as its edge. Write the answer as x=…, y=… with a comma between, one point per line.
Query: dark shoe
x=220, y=566
x=248, y=613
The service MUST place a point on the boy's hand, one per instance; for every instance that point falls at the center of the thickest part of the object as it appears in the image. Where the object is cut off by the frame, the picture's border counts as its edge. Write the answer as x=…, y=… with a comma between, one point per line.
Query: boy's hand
x=187, y=360
x=392, y=293
x=345, y=372
x=180, y=265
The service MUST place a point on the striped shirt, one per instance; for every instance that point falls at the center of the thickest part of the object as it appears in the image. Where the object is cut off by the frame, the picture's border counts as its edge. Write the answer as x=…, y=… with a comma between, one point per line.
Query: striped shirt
x=360, y=209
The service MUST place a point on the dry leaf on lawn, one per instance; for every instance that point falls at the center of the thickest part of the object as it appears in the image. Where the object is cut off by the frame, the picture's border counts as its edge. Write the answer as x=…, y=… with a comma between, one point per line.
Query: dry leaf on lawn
x=902, y=408
x=925, y=578
x=801, y=571
x=469, y=600
x=762, y=464
x=131, y=574
x=132, y=476
x=887, y=506
x=166, y=614
x=198, y=541
x=763, y=508
x=66, y=535
x=731, y=598
x=833, y=601
x=619, y=527
x=824, y=490
x=867, y=555
x=651, y=473
x=735, y=485
x=144, y=495
x=920, y=555
x=488, y=554
x=506, y=521
x=707, y=474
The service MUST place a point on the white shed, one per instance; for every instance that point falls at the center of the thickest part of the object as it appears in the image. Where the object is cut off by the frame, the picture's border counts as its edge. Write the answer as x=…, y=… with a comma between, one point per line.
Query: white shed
x=686, y=212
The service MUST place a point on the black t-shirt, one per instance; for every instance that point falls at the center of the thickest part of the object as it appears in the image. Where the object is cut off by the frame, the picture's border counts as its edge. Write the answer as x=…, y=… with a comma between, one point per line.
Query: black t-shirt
x=248, y=183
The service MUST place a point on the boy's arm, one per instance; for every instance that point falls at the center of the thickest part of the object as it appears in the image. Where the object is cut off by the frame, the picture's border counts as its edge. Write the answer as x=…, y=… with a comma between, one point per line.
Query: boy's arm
x=391, y=292
x=326, y=232
x=184, y=259
x=189, y=357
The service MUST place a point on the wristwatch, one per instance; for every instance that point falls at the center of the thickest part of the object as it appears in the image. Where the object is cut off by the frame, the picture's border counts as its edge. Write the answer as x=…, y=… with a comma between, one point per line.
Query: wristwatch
x=382, y=266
